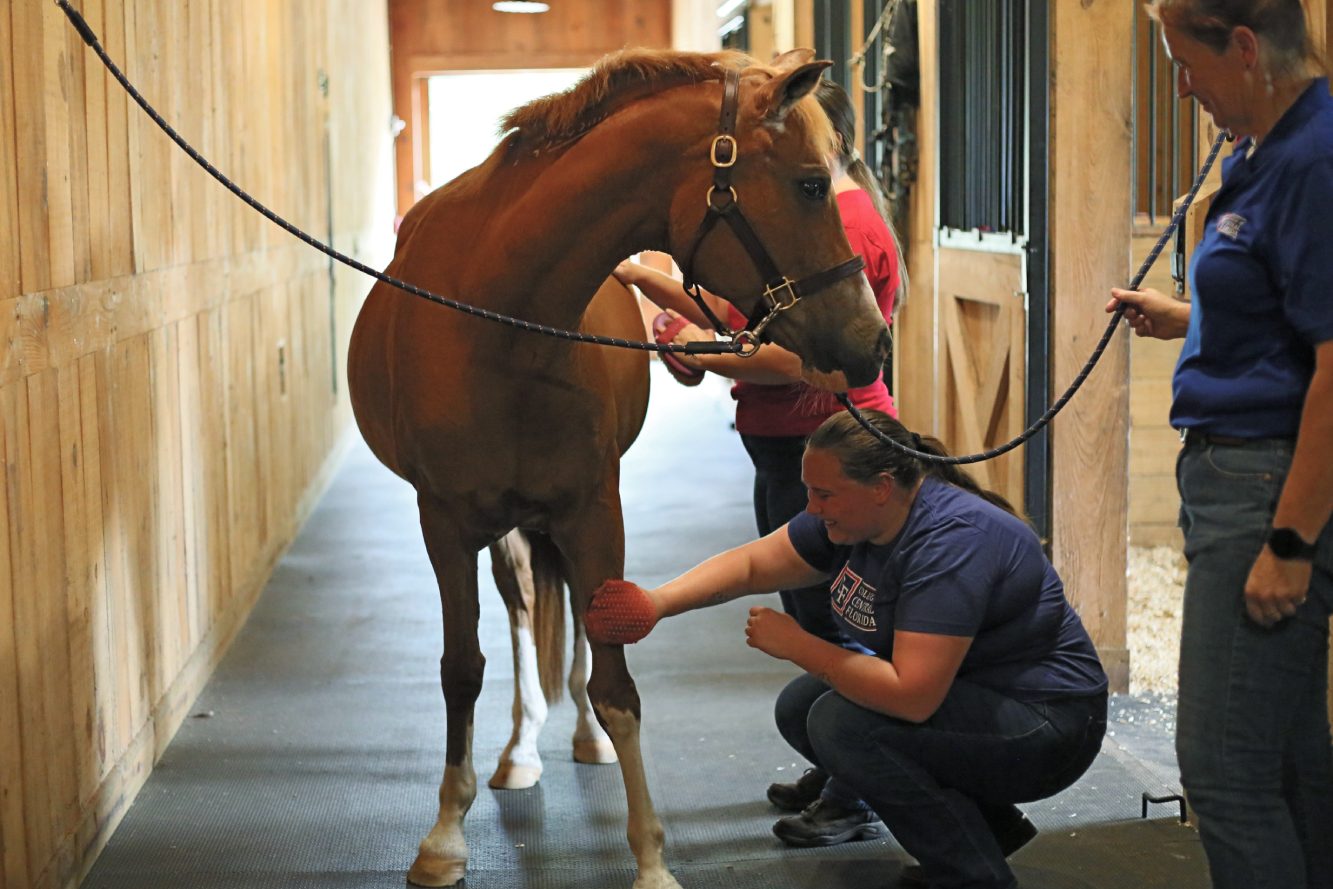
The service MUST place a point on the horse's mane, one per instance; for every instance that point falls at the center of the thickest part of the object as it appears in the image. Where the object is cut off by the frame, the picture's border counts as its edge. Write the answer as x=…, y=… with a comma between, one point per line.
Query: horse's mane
x=563, y=117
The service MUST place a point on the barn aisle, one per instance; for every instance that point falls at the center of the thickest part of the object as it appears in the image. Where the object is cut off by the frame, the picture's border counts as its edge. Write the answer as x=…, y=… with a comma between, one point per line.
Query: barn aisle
x=315, y=754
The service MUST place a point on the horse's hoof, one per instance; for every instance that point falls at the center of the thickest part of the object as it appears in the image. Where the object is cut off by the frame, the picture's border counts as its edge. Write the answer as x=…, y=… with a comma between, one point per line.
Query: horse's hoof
x=431, y=870
x=660, y=879
x=513, y=776
x=595, y=751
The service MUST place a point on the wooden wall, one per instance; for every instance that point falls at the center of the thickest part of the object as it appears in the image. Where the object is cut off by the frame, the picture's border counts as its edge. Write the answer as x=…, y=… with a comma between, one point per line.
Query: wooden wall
x=430, y=36
x=170, y=368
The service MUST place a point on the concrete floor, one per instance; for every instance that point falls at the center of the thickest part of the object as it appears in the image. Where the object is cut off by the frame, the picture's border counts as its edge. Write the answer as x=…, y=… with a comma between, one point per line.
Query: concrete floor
x=316, y=752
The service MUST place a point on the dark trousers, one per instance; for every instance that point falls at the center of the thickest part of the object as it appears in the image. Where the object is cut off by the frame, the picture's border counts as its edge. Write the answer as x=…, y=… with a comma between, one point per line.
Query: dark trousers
x=779, y=496
x=1252, y=732
x=945, y=786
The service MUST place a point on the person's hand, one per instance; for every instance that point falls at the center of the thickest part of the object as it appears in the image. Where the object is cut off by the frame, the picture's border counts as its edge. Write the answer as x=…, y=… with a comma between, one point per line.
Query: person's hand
x=774, y=633
x=1151, y=313
x=620, y=613
x=689, y=333
x=627, y=272
x=1275, y=588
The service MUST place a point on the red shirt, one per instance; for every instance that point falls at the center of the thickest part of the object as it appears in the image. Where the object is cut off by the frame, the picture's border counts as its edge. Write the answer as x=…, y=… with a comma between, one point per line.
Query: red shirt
x=797, y=409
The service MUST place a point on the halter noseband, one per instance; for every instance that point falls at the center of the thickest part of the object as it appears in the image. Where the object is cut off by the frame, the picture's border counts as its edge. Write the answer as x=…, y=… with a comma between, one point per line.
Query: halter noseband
x=780, y=292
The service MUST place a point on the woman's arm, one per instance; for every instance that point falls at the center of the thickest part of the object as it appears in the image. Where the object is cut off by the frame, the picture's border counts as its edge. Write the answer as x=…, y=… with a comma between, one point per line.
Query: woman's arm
x=761, y=566
x=1276, y=587
x=911, y=686
x=621, y=613
x=667, y=292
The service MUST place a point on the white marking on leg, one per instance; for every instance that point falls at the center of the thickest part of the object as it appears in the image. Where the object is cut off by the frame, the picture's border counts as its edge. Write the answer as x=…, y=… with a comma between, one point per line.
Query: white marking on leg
x=646, y=837
x=591, y=743
x=521, y=763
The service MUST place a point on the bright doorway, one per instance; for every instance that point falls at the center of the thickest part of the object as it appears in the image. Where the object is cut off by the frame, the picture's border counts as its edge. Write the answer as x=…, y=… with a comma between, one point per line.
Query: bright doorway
x=466, y=109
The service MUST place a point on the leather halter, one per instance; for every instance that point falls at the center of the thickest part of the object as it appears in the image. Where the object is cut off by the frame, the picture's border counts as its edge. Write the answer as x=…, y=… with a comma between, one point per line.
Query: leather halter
x=780, y=292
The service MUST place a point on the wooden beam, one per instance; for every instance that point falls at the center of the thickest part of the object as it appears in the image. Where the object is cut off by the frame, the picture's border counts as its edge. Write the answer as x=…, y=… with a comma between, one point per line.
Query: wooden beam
x=1091, y=81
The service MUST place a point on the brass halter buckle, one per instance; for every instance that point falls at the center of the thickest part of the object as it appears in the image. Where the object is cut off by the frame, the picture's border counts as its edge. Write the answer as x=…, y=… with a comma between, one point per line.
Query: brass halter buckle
x=729, y=142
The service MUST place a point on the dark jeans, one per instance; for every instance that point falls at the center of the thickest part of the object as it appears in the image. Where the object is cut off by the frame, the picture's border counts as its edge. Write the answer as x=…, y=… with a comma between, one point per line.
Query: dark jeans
x=779, y=496
x=1253, y=732
x=944, y=786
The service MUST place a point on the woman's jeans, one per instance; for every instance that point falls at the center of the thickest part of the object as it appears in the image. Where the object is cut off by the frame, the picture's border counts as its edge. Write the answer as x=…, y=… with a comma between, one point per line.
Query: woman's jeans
x=1253, y=733
x=779, y=496
x=945, y=786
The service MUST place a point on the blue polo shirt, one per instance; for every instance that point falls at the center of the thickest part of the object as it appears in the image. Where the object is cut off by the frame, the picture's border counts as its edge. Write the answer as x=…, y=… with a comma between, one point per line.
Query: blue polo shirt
x=960, y=567
x=1262, y=281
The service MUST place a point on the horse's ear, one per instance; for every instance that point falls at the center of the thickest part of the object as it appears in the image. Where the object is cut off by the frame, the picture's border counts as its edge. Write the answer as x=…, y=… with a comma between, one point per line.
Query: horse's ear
x=777, y=96
x=792, y=58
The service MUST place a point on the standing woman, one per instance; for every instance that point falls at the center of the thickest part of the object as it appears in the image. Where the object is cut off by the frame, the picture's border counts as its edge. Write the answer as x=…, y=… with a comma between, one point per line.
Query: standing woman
x=980, y=688
x=775, y=411
x=1253, y=398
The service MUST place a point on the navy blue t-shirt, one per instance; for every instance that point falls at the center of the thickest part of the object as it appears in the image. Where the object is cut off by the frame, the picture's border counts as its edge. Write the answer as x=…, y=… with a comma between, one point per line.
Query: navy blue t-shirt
x=960, y=567
x=1262, y=281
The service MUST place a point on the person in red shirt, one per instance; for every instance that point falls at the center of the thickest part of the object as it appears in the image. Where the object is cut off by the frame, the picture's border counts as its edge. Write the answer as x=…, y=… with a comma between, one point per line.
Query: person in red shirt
x=776, y=411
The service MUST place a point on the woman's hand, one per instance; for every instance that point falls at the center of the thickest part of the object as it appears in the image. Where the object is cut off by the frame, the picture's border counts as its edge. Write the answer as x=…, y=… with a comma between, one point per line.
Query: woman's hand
x=1152, y=313
x=1275, y=588
x=620, y=613
x=627, y=272
x=690, y=333
x=774, y=633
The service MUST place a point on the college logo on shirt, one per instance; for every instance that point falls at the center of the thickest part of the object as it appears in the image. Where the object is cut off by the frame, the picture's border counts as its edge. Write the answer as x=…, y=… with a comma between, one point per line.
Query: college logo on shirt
x=854, y=600
x=1229, y=225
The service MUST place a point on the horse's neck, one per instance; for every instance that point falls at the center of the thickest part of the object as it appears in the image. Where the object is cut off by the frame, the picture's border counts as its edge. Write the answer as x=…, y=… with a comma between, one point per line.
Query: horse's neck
x=566, y=221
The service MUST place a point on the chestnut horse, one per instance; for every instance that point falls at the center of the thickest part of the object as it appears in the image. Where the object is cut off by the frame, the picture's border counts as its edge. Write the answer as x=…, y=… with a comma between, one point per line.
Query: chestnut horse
x=500, y=429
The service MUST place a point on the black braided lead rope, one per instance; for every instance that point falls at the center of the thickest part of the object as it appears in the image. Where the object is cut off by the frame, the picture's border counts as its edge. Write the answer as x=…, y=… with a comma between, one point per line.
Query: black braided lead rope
x=1055, y=408
x=694, y=348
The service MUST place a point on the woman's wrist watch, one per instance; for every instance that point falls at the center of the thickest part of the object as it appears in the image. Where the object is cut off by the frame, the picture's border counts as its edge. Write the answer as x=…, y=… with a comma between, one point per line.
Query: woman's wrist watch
x=1287, y=544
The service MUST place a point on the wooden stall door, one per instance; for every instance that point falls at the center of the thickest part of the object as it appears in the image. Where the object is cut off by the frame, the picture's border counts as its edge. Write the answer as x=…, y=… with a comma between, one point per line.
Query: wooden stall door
x=982, y=330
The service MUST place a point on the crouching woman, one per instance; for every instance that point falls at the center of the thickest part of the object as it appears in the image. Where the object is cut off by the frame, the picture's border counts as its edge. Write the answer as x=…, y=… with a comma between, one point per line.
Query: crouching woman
x=983, y=689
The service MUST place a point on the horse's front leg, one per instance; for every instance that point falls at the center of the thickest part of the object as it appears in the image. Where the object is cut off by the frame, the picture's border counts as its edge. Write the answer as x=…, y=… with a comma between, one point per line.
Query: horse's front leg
x=442, y=857
x=520, y=764
x=594, y=545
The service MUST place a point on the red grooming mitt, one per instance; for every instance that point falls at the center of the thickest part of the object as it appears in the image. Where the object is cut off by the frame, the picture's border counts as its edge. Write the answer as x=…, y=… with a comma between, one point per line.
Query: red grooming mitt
x=620, y=613
x=665, y=329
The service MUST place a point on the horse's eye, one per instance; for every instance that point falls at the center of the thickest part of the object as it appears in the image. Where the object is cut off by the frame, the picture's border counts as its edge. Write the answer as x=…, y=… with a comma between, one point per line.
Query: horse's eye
x=815, y=189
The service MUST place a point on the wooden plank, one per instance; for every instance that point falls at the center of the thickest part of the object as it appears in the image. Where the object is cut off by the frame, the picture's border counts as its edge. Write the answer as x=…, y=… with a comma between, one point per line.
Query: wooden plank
x=169, y=587
x=73, y=60
x=123, y=642
x=1090, y=144
x=57, y=179
x=14, y=865
x=217, y=546
x=193, y=522
x=51, y=628
x=103, y=657
x=9, y=177
x=40, y=830
x=30, y=147
x=97, y=157
x=82, y=578
x=119, y=252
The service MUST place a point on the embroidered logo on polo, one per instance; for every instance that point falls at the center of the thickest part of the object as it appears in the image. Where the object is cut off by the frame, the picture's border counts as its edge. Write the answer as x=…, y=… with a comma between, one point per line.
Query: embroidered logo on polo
x=1229, y=225
x=854, y=600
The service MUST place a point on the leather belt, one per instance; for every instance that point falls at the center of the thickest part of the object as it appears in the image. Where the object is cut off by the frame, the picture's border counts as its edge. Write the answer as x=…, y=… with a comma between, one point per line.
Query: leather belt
x=1204, y=439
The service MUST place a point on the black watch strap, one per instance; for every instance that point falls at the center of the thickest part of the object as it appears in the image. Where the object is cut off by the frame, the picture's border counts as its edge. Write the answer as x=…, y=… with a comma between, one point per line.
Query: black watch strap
x=1287, y=544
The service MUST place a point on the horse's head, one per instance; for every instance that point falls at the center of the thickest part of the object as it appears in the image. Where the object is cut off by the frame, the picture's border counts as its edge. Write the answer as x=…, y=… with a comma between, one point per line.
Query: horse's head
x=774, y=172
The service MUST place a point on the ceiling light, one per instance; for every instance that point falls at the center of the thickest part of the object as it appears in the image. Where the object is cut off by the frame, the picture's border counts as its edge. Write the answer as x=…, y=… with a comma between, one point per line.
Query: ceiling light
x=526, y=6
